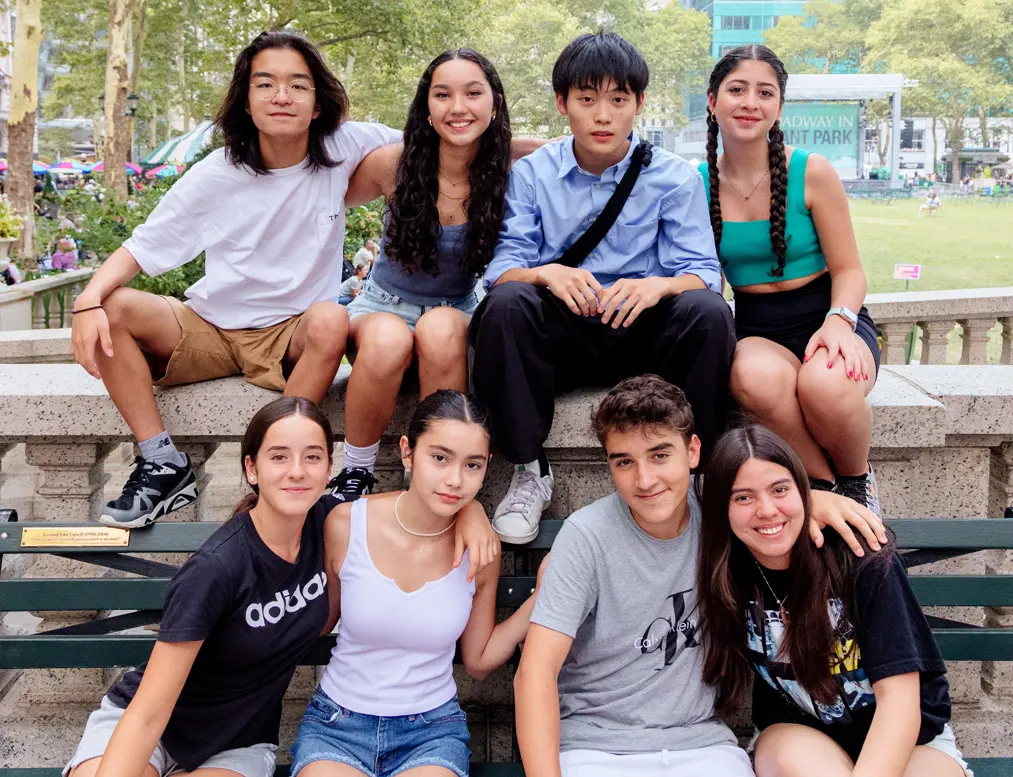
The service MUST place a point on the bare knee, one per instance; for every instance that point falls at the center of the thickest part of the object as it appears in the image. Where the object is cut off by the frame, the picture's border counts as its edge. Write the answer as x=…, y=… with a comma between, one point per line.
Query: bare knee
x=326, y=326
x=119, y=307
x=441, y=336
x=826, y=393
x=761, y=385
x=385, y=346
x=790, y=750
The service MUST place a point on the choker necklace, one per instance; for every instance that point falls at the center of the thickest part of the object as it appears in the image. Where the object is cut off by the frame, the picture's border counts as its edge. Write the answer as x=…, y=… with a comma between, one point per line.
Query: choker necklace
x=397, y=517
x=780, y=602
x=747, y=196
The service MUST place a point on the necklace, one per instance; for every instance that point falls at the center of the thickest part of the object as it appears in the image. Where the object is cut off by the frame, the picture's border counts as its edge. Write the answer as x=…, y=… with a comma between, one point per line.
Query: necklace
x=397, y=517
x=747, y=196
x=780, y=602
x=449, y=197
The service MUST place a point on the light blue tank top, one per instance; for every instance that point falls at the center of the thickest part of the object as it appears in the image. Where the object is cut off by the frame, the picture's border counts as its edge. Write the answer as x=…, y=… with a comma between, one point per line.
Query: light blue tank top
x=745, y=251
x=421, y=288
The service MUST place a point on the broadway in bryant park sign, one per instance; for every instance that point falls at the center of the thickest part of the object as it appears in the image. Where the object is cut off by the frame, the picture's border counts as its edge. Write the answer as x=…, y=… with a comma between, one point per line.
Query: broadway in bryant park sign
x=828, y=129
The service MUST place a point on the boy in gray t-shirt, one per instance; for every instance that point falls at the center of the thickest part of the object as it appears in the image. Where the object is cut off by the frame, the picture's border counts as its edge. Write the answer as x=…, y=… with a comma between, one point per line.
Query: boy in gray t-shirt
x=616, y=627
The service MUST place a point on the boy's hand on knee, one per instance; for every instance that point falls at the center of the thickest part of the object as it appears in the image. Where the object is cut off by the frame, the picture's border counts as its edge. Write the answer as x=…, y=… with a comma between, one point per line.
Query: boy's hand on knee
x=89, y=331
x=634, y=295
x=579, y=289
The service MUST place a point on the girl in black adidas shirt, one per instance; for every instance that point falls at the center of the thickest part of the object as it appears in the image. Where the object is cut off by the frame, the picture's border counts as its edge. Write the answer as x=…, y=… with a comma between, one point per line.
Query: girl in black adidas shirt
x=845, y=670
x=238, y=618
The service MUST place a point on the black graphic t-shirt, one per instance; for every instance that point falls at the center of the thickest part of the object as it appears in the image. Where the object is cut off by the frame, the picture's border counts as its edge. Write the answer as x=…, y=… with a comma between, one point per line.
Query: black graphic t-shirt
x=891, y=637
x=258, y=615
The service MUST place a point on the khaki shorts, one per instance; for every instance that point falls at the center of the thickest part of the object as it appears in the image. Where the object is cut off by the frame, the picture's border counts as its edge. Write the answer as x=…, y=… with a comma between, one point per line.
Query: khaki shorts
x=205, y=351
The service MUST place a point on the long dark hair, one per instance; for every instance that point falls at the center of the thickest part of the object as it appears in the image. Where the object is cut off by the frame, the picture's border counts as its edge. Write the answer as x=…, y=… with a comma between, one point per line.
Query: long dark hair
x=235, y=125
x=447, y=405
x=267, y=417
x=727, y=578
x=775, y=141
x=414, y=227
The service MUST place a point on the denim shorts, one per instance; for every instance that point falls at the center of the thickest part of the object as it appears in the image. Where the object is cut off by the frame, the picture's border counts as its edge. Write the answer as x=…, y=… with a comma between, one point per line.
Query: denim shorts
x=382, y=746
x=372, y=299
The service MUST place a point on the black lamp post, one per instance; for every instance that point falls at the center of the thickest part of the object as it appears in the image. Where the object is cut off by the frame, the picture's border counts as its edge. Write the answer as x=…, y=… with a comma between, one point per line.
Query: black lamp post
x=130, y=111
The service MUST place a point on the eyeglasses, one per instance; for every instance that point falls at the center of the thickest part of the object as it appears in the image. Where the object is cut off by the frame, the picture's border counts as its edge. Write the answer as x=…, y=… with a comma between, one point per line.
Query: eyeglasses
x=297, y=91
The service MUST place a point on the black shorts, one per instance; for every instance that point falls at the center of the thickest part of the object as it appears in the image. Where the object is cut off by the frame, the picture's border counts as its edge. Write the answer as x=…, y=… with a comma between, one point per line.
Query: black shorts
x=791, y=318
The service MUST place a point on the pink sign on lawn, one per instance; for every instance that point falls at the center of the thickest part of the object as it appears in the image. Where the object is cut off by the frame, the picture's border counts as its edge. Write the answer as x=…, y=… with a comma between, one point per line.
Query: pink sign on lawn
x=907, y=272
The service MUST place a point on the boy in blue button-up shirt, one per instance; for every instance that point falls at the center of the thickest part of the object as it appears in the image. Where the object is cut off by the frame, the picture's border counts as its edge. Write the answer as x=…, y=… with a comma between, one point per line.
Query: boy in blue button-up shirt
x=646, y=299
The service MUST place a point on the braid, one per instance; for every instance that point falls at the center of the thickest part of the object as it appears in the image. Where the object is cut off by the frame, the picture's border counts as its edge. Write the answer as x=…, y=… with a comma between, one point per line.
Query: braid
x=778, y=196
x=712, y=172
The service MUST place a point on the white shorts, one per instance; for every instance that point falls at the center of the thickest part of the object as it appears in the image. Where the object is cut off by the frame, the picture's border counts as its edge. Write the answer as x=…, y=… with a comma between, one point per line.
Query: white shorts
x=947, y=743
x=716, y=761
x=255, y=761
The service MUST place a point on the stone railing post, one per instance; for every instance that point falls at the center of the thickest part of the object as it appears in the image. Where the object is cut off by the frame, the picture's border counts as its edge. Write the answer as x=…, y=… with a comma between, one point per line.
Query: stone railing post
x=40, y=310
x=974, y=348
x=4, y=447
x=997, y=676
x=71, y=491
x=895, y=339
x=934, y=337
x=1006, y=357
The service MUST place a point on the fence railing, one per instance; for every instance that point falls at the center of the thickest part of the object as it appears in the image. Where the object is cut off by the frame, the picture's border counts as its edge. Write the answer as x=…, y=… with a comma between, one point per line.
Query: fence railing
x=44, y=303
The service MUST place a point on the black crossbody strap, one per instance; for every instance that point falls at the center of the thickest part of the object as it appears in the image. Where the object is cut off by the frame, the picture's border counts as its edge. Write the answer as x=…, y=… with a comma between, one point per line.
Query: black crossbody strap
x=586, y=243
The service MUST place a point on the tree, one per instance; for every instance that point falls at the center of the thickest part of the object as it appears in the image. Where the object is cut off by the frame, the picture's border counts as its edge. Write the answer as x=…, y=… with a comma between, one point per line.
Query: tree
x=114, y=148
x=829, y=34
x=21, y=122
x=937, y=43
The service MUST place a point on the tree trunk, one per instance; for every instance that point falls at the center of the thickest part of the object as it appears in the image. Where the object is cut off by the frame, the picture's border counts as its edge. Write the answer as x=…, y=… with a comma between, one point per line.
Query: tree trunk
x=935, y=146
x=956, y=134
x=153, y=128
x=96, y=131
x=117, y=86
x=883, y=142
x=983, y=123
x=21, y=124
x=136, y=50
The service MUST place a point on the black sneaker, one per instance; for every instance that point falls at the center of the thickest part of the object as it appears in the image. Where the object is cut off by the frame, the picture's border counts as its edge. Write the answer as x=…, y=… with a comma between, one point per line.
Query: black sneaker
x=152, y=490
x=351, y=483
x=855, y=487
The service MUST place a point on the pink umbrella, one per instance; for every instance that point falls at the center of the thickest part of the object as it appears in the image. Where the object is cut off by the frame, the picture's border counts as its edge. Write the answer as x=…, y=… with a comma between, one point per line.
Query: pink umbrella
x=3, y=164
x=68, y=164
x=99, y=167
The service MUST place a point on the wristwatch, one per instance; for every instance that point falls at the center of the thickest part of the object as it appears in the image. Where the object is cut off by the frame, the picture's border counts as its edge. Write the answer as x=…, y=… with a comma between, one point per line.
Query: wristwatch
x=845, y=313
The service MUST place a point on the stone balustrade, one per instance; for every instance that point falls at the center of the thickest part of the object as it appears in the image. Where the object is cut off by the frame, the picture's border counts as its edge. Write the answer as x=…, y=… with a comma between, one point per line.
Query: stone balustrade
x=936, y=313
x=942, y=447
x=44, y=303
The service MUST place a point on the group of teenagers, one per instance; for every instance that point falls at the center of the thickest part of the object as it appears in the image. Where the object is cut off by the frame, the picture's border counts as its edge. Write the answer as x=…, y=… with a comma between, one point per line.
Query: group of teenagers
x=705, y=573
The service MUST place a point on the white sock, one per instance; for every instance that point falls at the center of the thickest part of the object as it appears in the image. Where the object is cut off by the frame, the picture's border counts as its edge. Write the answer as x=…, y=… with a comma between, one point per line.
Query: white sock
x=160, y=449
x=361, y=458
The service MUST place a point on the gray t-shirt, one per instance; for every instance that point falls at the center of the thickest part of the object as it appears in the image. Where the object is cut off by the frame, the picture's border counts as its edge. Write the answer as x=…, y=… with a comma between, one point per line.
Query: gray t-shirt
x=633, y=680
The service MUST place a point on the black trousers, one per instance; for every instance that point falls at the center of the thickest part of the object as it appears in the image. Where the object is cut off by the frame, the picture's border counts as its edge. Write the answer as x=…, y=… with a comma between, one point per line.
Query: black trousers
x=528, y=347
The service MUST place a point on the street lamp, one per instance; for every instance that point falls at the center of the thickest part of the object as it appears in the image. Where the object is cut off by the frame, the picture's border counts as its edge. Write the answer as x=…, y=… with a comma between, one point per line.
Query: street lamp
x=130, y=111
x=132, y=101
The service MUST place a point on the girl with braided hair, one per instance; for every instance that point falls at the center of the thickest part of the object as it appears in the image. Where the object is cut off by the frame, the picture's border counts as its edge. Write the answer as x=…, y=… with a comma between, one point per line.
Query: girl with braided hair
x=805, y=360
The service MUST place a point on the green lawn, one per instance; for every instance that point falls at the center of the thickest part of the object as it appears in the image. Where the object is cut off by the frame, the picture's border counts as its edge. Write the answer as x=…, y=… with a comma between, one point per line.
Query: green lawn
x=965, y=245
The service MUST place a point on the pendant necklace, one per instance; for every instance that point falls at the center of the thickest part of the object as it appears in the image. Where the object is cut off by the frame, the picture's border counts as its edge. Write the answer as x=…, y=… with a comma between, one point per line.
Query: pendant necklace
x=747, y=196
x=780, y=602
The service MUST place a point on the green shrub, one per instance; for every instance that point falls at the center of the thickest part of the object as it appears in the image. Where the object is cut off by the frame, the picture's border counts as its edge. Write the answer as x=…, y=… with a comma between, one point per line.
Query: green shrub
x=360, y=223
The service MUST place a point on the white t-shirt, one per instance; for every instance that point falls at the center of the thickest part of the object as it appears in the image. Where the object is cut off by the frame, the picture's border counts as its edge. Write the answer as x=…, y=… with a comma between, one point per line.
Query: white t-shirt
x=272, y=243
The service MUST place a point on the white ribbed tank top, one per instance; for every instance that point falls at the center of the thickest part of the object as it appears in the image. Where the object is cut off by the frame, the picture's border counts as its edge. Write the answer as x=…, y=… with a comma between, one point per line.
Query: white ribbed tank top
x=395, y=650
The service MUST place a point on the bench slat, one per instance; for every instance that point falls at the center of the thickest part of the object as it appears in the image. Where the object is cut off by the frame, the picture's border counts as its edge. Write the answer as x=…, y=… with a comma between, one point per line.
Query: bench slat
x=27, y=595
x=77, y=652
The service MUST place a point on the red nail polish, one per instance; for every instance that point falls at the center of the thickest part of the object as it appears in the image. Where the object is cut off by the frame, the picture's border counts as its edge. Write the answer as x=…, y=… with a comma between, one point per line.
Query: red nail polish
x=851, y=374
x=830, y=366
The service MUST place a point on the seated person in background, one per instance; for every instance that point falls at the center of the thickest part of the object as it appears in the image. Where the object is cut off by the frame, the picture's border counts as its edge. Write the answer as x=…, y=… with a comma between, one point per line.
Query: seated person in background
x=610, y=683
x=931, y=204
x=65, y=256
x=403, y=608
x=367, y=253
x=443, y=189
x=350, y=287
x=266, y=211
x=808, y=351
x=645, y=298
x=846, y=673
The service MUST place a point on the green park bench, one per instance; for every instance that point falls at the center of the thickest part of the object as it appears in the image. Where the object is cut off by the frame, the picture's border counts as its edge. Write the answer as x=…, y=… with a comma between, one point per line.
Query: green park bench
x=99, y=643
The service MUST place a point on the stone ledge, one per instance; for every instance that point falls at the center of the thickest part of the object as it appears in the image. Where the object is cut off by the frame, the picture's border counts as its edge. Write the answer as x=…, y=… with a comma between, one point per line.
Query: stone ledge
x=35, y=346
x=62, y=402
x=949, y=305
x=977, y=400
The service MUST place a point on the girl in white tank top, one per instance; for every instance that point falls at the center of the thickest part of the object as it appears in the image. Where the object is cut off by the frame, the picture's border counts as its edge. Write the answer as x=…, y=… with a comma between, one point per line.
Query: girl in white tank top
x=387, y=702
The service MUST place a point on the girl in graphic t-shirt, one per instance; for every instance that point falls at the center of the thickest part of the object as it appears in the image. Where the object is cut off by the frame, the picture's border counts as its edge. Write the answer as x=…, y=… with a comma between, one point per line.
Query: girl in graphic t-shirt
x=846, y=672
x=444, y=189
x=403, y=608
x=239, y=616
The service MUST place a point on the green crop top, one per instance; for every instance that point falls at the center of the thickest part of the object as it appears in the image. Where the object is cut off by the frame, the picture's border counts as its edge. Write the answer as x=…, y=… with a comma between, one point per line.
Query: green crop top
x=745, y=251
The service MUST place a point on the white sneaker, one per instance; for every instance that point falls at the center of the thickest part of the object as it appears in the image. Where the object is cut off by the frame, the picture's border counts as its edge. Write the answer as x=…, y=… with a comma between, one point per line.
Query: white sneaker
x=517, y=518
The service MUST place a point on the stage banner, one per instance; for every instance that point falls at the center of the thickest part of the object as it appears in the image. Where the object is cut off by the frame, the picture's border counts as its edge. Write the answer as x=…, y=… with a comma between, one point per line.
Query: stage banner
x=828, y=129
